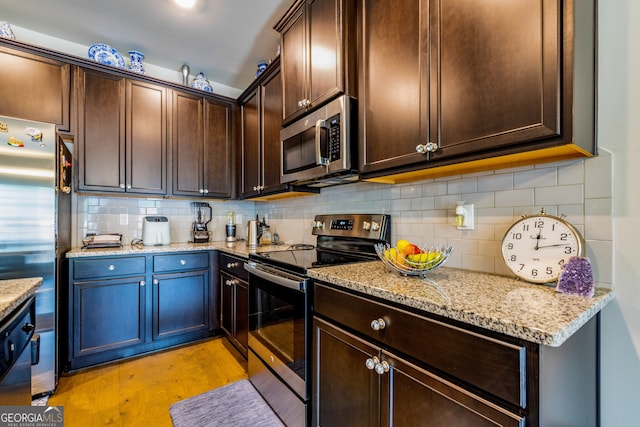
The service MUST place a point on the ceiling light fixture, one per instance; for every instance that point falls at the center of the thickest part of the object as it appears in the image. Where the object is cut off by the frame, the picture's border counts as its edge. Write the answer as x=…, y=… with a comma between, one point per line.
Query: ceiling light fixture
x=186, y=4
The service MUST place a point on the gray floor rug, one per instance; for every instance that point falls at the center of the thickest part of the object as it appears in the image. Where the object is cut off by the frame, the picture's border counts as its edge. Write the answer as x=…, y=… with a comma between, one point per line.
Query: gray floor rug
x=234, y=405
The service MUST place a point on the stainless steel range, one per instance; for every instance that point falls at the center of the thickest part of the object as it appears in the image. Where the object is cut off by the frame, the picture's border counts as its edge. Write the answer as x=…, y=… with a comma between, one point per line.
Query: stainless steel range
x=280, y=296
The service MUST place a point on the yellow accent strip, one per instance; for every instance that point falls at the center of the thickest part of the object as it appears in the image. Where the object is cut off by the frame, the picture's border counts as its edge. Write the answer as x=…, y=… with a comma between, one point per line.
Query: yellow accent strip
x=280, y=196
x=545, y=155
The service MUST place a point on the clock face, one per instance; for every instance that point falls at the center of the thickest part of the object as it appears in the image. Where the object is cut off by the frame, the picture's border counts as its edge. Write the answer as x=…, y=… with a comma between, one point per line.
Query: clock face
x=536, y=247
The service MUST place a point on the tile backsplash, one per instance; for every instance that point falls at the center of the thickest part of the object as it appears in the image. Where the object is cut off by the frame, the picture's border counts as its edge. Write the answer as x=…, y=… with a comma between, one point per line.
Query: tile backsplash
x=421, y=211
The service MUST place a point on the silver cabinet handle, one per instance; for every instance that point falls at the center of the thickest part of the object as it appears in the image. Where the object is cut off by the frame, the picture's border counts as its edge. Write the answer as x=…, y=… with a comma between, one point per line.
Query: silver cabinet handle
x=378, y=324
x=142, y=283
x=155, y=281
x=128, y=186
x=111, y=267
x=232, y=264
x=121, y=185
x=183, y=262
x=206, y=191
x=201, y=191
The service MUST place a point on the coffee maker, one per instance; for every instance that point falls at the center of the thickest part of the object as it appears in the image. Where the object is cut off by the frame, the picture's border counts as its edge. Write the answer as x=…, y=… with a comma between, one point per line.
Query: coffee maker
x=202, y=214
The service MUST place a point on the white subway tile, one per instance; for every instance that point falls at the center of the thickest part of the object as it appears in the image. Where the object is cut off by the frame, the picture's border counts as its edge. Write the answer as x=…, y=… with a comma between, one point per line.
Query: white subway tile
x=478, y=263
x=572, y=173
x=598, y=176
x=503, y=181
x=460, y=186
x=563, y=194
x=598, y=213
x=508, y=198
x=546, y=177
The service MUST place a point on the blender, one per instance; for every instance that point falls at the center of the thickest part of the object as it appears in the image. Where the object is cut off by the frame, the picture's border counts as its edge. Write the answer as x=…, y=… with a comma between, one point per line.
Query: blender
x=202, y=213
x=231, y=226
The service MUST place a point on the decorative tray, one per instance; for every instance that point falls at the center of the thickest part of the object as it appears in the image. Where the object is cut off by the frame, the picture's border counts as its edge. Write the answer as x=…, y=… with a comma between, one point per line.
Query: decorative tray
x=105, y=54
x=419, y=264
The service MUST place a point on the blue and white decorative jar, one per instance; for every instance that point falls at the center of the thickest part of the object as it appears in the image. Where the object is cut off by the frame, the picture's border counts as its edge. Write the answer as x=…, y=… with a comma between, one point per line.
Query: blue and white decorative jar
x=6, y=31
x=201, y=82
x=135, y=63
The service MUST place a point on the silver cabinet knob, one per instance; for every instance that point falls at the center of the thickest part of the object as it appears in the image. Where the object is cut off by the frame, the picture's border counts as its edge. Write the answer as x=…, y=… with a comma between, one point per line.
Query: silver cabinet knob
x=201, y=191
x=382, y=367
x=142, y=283
x=206, y=191
x=155, y=281
x=372, y=362
x=232, y=264
x=183, y=262
x=128, y=186
x=111, y=267
x=429, y=147
x=378, y=324
x=121, y=185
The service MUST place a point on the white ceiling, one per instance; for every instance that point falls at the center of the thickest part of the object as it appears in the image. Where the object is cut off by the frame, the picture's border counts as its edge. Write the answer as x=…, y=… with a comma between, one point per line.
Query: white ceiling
x=224, y=39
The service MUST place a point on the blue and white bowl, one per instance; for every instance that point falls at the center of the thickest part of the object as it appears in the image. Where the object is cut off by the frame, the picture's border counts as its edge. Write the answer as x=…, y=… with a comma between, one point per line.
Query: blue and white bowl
x=201, y=82
x=105, y=54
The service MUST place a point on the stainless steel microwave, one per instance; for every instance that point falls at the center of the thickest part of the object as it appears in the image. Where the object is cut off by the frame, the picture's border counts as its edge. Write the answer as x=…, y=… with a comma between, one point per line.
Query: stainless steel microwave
x=319, y=149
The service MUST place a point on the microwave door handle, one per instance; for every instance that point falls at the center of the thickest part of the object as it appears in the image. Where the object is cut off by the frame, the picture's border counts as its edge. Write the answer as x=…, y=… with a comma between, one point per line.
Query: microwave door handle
x=320, y=159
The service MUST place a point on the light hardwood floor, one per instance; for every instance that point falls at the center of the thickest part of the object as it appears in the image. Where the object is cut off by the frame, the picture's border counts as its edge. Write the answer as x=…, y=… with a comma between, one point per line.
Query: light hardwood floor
x=139, y=392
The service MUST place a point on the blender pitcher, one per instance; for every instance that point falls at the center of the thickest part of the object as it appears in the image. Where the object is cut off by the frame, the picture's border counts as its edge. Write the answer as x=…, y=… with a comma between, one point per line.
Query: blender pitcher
x=202, y=213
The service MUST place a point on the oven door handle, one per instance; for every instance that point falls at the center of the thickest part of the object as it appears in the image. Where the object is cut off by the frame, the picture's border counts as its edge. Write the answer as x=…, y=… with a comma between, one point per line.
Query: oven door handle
x=298, y=285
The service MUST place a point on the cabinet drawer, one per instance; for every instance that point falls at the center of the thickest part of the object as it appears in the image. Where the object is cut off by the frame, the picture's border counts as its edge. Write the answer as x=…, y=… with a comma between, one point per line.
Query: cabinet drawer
x=180, y=262
x=234, y=266
x=108, y=267
x=498, y=367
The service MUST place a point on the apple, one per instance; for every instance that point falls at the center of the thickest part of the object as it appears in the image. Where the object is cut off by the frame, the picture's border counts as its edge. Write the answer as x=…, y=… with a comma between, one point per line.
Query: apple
x=411, y=249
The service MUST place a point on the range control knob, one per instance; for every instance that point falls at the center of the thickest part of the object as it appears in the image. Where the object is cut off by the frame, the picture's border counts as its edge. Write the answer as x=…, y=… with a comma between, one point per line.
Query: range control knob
x=366, y=225
x=318, y=224
x=375, y=226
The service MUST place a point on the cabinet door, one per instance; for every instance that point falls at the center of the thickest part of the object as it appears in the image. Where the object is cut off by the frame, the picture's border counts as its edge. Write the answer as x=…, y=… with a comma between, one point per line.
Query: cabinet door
x=180, y=303
x=101, y=131
x=108, y=315
x=325, y=55
x=217, y=149
x=345, y=392
x=146, y=136
x=242, y=315
x=226, y=304
x=187, y=142
x=394, y=85
x=412, y=396
x=294, y=64
x=251, y=179
x=34, y=88
x=271, y=125
x=497, y=70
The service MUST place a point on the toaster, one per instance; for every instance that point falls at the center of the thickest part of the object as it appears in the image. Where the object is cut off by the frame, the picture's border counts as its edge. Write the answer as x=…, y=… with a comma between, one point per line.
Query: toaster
x=155, y=231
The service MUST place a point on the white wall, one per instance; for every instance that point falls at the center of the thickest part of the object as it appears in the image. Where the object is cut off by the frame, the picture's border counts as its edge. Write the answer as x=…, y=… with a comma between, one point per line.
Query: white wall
x=619, y=131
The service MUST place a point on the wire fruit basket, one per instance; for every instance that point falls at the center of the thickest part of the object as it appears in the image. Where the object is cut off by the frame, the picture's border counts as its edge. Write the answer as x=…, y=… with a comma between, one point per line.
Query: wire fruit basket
x=421, y=264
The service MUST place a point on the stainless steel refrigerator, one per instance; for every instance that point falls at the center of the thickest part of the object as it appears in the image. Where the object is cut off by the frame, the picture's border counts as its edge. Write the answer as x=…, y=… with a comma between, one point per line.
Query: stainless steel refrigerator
x=35, y=227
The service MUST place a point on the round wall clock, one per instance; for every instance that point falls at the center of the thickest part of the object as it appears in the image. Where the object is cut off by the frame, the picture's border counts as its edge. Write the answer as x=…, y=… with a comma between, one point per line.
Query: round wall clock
x=536, y=246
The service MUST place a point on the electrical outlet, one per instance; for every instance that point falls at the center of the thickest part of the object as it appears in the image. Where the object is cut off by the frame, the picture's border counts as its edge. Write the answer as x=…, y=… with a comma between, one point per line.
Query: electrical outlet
x=124, y=219
x=465, y=217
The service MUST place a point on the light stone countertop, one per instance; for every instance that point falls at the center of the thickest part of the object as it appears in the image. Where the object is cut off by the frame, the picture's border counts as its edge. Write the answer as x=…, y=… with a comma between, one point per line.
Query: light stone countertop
x=14, y=292
x=238, y=248
x=536, y=313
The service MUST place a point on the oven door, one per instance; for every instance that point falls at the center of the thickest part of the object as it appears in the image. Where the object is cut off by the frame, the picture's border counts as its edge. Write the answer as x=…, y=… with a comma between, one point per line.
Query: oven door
x=279, y=310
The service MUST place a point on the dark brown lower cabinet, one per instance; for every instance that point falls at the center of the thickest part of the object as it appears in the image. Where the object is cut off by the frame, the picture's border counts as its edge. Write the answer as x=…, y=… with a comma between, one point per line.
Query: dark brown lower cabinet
x=234, y=302
x=359, y=384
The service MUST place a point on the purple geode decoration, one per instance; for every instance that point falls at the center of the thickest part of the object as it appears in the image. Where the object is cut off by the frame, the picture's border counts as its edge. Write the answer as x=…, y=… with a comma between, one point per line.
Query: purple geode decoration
x=576, y=277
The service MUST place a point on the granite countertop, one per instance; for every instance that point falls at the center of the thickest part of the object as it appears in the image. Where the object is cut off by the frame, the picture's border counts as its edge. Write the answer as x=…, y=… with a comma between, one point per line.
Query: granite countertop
x=14, y=292
x=238, y=248
x=536, y=313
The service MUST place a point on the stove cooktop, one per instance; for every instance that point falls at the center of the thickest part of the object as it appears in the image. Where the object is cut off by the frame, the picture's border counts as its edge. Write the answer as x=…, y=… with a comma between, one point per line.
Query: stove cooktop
x=300, y=260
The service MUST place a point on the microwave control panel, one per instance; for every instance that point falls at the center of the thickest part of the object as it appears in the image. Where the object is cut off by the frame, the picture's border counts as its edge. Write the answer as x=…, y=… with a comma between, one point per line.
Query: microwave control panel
x=334, y=138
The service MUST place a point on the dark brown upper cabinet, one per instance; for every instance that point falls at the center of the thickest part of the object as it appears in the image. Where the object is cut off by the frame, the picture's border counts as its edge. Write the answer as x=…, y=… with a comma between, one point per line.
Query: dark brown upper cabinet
x=122, y=136
x=34, y=88
x=449, y=87
x=318, y=54
x=200, y=146
x=261, y=152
